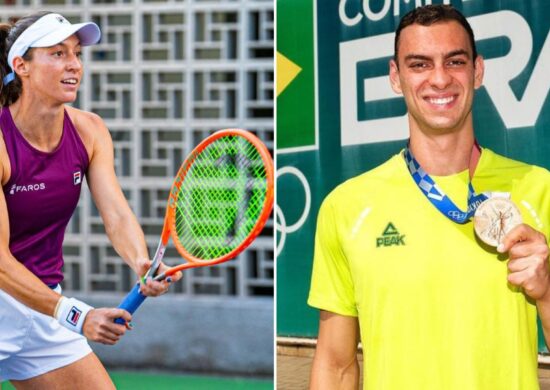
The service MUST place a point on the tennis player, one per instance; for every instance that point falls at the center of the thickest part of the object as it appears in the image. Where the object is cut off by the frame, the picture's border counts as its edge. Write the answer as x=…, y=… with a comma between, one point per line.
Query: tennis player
x=397, y=263
x=46, y=149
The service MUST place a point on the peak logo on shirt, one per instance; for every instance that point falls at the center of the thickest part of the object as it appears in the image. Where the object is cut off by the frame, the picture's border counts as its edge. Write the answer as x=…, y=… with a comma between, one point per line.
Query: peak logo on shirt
x=390, y=237
x=27, y=188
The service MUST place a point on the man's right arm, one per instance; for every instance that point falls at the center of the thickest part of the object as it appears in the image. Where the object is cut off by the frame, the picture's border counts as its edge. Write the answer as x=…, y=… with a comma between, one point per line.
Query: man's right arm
x=335, y=364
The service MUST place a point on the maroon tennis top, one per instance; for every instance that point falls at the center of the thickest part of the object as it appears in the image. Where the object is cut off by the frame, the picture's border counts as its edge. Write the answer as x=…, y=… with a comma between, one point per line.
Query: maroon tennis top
x=41, y=196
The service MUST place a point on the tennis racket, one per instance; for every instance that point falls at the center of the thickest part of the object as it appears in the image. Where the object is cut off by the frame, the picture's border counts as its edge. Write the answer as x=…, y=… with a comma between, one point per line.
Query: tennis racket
x=219, y=202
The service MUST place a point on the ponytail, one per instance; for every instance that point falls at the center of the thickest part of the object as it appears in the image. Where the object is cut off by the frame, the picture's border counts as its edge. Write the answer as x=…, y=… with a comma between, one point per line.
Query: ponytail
x=4, y=68
x=9, y=32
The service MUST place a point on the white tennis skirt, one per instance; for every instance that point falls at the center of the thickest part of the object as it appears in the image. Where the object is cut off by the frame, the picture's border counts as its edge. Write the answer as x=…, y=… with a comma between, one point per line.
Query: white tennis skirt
x=32, y=343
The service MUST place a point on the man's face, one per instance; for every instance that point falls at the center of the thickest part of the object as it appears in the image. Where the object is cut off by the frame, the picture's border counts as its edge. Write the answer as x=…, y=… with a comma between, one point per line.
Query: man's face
x=437, y=76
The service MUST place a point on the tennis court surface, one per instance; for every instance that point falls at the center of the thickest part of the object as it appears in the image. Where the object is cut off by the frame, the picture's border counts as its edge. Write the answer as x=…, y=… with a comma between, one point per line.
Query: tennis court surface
x=126, y=380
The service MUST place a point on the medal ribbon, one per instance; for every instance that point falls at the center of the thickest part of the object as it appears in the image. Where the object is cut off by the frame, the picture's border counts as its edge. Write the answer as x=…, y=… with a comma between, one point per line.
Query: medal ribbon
x=437, y=197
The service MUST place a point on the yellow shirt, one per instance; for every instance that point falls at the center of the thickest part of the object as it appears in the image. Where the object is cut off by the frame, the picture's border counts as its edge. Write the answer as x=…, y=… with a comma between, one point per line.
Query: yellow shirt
x=434, y=306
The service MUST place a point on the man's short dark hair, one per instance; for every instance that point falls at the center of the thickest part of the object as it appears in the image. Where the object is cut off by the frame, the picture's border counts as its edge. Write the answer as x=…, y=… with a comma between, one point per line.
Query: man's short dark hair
x=431, y=14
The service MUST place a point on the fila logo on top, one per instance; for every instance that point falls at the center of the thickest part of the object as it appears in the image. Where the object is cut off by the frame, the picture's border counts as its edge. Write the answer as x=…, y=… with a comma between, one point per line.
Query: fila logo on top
x=77, y=178
x=390, y=237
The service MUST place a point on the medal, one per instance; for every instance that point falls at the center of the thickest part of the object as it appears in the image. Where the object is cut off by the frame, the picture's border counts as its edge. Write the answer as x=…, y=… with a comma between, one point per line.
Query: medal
x=494, y=218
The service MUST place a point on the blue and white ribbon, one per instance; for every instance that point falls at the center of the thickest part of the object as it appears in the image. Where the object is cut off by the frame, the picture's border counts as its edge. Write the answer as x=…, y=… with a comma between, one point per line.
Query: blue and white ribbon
x=437, y=197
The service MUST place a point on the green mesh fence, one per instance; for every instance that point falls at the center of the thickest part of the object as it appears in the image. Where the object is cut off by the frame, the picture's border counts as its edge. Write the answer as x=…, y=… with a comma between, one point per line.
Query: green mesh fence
x=221, y=198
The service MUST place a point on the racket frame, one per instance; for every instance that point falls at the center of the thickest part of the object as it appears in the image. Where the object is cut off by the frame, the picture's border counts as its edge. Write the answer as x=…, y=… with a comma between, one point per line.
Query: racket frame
x=169, y=229
x=134, y=298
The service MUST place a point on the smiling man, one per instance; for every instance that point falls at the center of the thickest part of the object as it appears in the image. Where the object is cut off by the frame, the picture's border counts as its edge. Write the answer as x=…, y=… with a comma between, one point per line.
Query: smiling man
x=437, y=260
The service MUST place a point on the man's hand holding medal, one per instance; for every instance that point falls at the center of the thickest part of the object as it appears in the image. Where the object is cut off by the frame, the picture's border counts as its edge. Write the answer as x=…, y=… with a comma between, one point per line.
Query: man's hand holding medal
x=528, y=264
x=498, y=223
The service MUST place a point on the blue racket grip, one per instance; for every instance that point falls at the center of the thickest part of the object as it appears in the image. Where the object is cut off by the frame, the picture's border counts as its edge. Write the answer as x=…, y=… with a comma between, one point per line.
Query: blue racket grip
x=131, y=302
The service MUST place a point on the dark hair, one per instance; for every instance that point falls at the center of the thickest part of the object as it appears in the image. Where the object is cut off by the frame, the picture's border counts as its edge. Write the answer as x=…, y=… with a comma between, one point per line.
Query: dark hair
x=9, y=32
x=430, y=14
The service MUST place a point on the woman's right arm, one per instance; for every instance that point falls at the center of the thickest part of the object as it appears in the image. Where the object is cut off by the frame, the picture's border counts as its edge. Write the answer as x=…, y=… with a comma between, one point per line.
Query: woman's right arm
x=15, y=278
x=20, y=283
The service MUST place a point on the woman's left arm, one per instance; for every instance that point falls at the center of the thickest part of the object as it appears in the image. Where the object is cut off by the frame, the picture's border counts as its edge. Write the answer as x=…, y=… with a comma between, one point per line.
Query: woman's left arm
x=121, y=225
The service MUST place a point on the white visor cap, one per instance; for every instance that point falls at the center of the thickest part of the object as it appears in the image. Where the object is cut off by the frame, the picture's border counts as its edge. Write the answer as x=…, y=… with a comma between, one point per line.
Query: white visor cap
x=50, y=30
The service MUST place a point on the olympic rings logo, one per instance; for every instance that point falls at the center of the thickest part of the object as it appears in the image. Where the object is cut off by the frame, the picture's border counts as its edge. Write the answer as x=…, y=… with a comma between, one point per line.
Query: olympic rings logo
x=457, y=214
x=281, y=224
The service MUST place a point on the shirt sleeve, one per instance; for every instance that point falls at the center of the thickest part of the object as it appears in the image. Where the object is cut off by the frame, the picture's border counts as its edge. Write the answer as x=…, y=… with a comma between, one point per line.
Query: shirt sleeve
x=331, y=282
x=535, y=201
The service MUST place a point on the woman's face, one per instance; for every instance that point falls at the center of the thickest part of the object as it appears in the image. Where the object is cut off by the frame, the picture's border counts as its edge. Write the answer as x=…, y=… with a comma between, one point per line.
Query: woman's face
x=54, y=73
